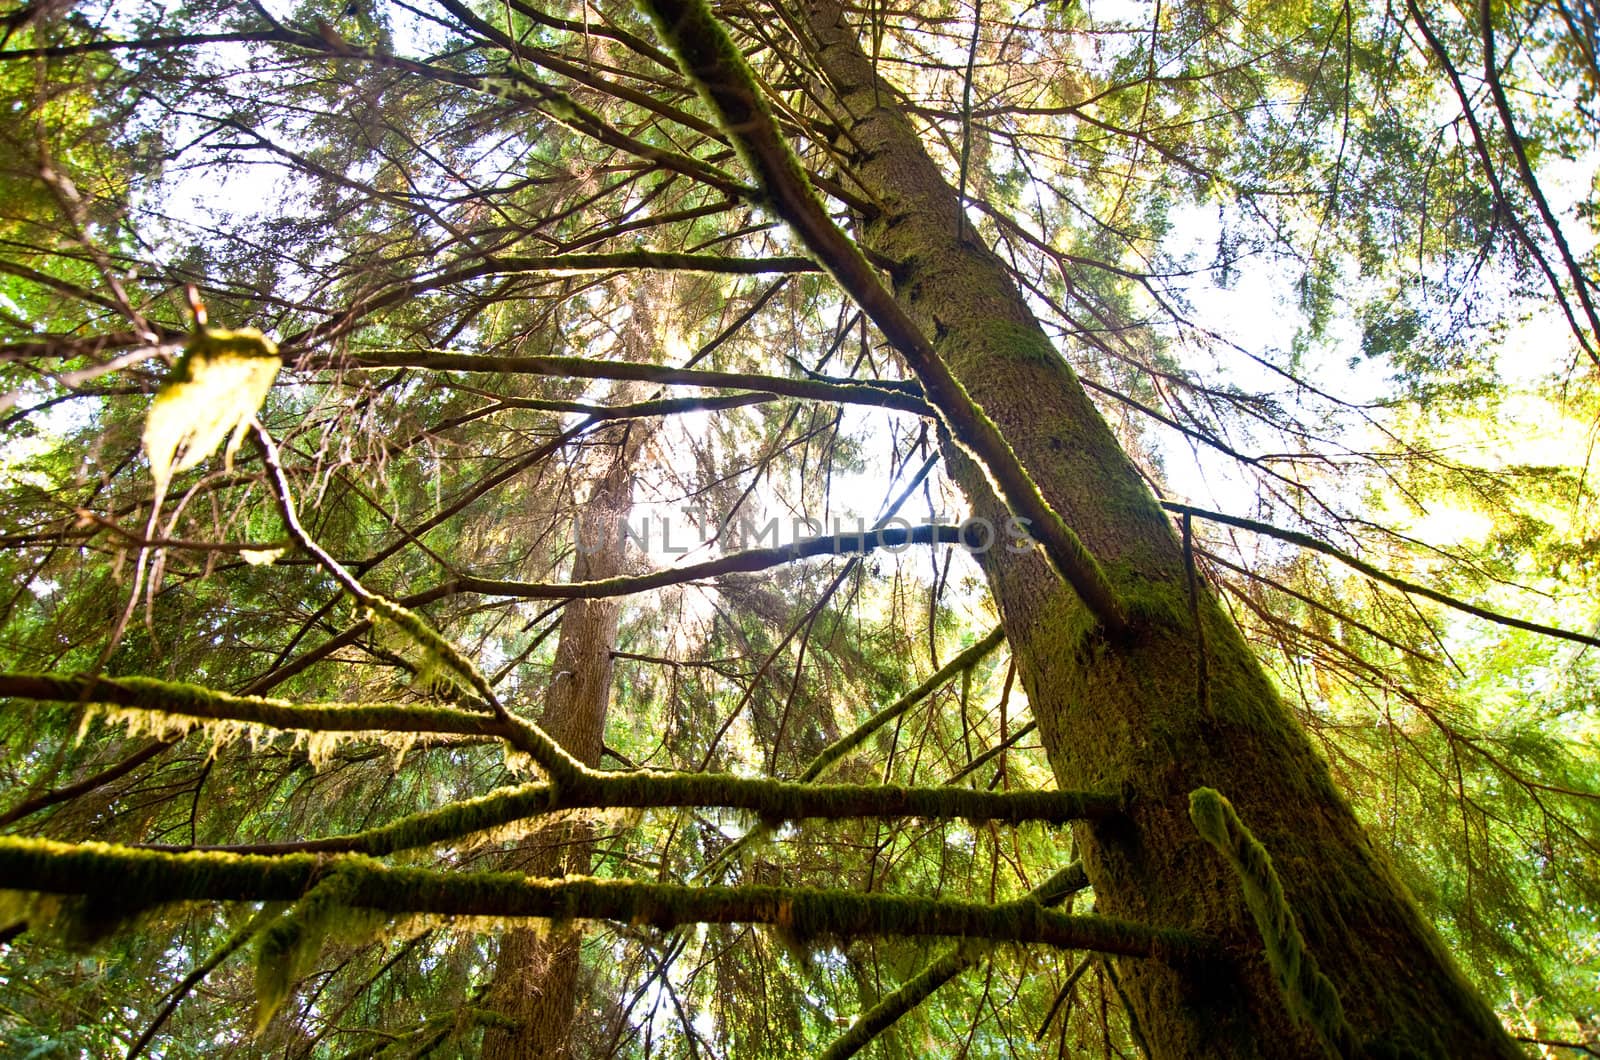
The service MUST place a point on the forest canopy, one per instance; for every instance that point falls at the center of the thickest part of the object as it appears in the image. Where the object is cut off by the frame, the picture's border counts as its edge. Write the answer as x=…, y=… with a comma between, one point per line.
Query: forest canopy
x=788, y=528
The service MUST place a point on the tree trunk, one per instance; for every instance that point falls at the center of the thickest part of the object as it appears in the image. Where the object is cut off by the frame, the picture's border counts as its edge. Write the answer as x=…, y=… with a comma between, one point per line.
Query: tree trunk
x=1169, y=709
x=536, y=971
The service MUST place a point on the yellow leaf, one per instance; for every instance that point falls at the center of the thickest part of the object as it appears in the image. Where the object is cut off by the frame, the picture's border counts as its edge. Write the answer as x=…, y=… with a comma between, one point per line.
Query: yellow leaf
x=219, y=384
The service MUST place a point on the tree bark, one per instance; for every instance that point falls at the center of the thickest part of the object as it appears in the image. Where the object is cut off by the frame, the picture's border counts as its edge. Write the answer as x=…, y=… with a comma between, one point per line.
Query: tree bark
x=536, y=971
x=1172, y=707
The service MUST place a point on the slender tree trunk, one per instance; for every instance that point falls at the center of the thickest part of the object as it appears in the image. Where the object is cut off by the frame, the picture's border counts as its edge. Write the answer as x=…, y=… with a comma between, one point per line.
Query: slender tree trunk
x=1172, y=708
x=536, y=971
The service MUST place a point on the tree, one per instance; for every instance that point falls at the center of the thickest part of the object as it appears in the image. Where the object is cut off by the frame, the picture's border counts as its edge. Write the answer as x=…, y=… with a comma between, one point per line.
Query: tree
x=463, y=185
x=536, y=977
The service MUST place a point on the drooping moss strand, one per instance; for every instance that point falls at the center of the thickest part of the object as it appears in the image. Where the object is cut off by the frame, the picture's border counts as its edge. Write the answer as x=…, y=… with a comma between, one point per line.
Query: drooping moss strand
x=1309, y=994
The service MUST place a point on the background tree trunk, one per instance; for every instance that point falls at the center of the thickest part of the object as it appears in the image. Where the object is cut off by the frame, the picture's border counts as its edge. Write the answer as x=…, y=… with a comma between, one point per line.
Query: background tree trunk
x=536, y=969
x=1172, y=709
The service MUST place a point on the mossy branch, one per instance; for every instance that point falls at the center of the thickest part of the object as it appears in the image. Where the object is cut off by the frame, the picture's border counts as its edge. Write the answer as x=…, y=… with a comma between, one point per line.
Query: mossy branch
x=141, y=878
x=525, y=736
x=785, y=800
x=717, y=68
x=434, y=1031
x=912, y=993
x=952, y=963
x=773, y=800
x=583, y=789
x=185, y=702
x=1309, y=994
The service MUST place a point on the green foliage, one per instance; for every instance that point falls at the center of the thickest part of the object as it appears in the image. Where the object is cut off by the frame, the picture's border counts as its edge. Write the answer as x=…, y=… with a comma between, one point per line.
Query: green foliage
x=316, y=176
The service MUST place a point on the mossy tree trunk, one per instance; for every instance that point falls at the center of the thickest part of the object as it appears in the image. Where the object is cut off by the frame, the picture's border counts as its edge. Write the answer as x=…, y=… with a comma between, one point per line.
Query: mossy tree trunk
x=536, y=981
x=1169, y=709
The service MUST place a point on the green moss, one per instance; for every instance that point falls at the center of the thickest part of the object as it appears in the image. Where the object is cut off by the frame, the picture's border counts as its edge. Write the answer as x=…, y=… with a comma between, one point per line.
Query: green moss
x=440, y=657
x=287, y=949
x=783, y=800
x=459, y=819
x=188, y=701
x=325, y=888
x=1151, y=606
x=211, y=342
x=1309, y=994
x=1002, y=341
x=1153, y=603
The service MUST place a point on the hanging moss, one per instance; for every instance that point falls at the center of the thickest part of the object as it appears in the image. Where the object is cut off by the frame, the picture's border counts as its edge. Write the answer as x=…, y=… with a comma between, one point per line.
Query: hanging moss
x=441, y=660
x=84, y=921
x=1309, y=994
x=287, y=949
x=195, y=702
x=217, y=385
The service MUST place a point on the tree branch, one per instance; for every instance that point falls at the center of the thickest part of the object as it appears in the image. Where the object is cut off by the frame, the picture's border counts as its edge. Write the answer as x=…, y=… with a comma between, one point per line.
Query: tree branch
x=524, y=735
x=956, y=960
x=42, y=801
x=753, y=559
x=130, y=880
x=585, y=368
x=775, y=800
x=1307, y=541
x=549, y=264
x=718, y=69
